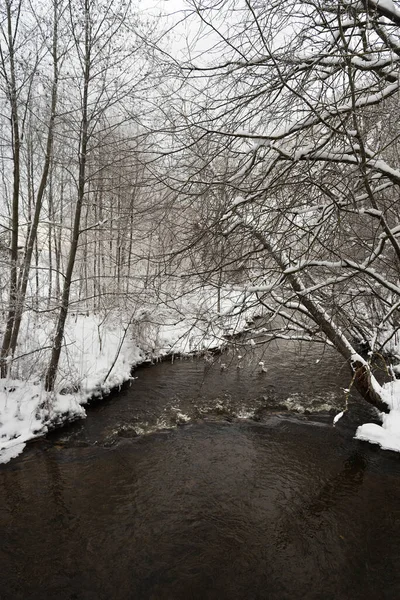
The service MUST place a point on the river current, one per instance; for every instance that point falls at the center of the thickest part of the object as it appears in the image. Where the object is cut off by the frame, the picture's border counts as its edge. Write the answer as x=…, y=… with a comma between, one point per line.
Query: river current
x=217, y=478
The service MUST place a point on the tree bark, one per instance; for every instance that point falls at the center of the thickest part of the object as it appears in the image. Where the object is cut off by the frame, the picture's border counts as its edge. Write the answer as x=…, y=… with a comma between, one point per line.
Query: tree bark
x=363, y=378
x=16, y=147
x=83, y=145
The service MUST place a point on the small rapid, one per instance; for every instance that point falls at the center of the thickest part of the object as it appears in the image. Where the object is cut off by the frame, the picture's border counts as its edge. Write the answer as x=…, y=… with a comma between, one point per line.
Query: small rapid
x=207, y=478
x=244, y=383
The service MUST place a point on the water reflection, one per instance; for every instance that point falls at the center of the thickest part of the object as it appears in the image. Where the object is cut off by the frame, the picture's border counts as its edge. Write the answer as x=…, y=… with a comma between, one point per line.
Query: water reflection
x=279, y=510
x=284, y=508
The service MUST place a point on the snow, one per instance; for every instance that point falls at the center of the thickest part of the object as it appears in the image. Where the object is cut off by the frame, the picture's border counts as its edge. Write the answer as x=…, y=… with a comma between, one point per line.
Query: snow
x=98, y=355
x=12, y=451
x=94, y=360
x=371, y=211
x=386, y=435
x=238, y=200
x=389, y=9
x=338, y=417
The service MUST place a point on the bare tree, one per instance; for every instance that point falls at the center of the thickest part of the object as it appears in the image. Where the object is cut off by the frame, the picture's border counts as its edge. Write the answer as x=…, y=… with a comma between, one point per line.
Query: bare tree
x=58, y=8
x=288, y=93
x=9, y=49
x=103, y=83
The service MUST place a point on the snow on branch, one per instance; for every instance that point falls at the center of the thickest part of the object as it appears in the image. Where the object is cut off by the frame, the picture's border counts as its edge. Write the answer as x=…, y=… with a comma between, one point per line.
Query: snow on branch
x=387, y=9
x=344, y=264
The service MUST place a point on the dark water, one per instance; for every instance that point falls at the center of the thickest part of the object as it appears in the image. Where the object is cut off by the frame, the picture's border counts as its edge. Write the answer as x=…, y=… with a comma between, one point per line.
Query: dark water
x=281, y=506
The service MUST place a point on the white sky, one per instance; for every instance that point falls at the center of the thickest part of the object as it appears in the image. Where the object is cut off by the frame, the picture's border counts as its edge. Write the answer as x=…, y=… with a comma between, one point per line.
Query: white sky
x=187, y=36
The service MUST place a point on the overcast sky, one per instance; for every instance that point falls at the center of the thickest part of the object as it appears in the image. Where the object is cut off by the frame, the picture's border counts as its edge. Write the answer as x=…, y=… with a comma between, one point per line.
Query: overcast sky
x=186, y=37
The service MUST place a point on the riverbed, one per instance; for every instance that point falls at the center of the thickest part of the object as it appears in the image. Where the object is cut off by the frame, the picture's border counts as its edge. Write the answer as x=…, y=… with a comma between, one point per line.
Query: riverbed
x=207, y=479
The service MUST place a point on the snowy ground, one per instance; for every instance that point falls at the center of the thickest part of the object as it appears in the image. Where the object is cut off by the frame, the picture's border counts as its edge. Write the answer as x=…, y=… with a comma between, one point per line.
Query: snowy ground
x=100, y=352
x=386, y=435
x=98, y=355
x=27, y=411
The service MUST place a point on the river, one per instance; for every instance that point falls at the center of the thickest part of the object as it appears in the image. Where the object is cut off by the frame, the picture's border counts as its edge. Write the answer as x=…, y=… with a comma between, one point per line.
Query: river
x=207, y=479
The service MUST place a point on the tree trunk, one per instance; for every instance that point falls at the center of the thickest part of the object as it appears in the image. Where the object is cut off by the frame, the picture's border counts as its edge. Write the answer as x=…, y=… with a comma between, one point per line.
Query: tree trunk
x=364, y=381
x=16, y=146
x=83, y=145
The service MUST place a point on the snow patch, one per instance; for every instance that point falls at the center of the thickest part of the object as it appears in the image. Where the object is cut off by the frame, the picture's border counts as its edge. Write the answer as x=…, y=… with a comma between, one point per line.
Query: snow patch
x=338, y=417
x=11, y=452
x=386, y=435
x=99, y=354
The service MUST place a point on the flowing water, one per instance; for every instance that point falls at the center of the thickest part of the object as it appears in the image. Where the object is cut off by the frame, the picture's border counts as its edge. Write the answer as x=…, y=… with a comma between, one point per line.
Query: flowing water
x=207, y=479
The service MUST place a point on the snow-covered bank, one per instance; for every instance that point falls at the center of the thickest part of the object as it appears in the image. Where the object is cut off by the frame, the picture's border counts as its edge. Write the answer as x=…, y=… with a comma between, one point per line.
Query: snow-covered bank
x=95, y=359
x=98, y=355
x=386, y=435
x=100, y=352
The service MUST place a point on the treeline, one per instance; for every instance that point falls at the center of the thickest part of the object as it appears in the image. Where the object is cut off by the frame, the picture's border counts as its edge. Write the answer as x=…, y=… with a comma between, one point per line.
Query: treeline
x=76, y=79
x=267, y=159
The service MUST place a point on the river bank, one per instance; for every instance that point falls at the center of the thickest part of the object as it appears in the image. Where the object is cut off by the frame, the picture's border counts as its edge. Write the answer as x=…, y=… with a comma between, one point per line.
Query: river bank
x=126, y=505
x=99, y=355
